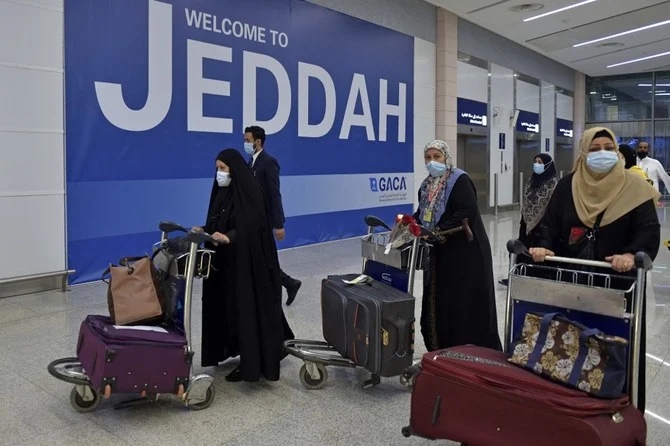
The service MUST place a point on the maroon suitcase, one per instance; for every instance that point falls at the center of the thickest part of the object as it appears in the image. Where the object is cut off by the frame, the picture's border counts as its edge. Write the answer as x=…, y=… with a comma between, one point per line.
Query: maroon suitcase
x=474, y=396
x=132, y=360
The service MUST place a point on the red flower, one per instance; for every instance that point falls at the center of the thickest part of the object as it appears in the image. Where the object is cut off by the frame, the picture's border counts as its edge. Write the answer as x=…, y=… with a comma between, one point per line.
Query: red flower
x=414, y=229
x=406, y=219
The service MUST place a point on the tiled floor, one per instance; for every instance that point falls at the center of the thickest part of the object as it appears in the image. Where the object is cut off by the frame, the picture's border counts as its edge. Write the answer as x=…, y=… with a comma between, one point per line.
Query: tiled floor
x=38, y=328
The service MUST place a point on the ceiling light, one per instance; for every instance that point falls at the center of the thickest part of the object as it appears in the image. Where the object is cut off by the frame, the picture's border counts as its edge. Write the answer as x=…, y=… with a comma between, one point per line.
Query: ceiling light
x=526, y=7
x=625, y=33
x=649, y=85
x=653, y=56
x=556, y=11
x=593, y=92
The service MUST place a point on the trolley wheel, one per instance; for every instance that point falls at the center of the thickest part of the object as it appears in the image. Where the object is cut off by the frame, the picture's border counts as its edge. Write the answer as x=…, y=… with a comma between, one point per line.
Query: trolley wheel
x=80, y=404
x=209, y=399
x=68, y=370
x=406, y=432
x=311, y=383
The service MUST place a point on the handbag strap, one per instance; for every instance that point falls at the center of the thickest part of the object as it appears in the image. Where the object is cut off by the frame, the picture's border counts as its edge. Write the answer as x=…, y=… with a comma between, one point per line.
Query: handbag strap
x=578, y=365
x=596, y=227
x=534, y=357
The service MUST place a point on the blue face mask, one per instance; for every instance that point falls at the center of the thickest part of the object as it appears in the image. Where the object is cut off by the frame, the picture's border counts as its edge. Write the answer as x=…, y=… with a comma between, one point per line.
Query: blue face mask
x=436, y=169
x=222, y=178
x=539, y=168
x=602, y=161
x=249, y=148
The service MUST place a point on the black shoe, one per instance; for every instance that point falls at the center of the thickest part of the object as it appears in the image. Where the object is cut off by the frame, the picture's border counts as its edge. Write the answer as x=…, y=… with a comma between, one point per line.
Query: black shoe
x=292, y=291
x=504, y=282
x=234, y=376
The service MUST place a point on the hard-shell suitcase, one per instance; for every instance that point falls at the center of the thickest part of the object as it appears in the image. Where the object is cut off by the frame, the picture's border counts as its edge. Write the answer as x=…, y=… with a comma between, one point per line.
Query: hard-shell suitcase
x=371, y=323
x=474, y=396
x=133, y=359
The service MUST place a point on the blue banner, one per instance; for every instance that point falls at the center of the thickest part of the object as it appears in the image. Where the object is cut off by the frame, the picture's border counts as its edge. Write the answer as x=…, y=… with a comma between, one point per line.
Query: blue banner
x=528, y=122
x=472, y=112
x=155, y=89
x=564, y=128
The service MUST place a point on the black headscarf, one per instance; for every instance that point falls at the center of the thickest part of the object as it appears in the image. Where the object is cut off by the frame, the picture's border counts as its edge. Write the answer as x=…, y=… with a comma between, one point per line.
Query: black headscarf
x=549, y=171
x=629, y=155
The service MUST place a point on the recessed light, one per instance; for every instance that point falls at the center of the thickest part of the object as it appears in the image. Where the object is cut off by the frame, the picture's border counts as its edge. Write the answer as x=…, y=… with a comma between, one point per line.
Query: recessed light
x=556, y=11
x=653, y=56
x=526, y=7
x=593, y=92
x=625, y=33
x=610, y=45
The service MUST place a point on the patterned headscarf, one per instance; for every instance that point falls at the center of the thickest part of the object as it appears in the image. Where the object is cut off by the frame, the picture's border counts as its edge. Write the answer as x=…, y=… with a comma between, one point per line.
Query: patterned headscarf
x=443, y=147
x=538, y=192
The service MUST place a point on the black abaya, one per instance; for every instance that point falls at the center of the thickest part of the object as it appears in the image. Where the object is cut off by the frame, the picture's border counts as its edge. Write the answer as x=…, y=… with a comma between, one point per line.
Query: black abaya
x=242, y=313
x=638, y=230
x=459, y=293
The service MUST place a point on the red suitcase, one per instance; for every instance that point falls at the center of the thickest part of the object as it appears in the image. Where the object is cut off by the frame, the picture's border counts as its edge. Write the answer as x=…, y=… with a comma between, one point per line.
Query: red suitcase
x=474, y=396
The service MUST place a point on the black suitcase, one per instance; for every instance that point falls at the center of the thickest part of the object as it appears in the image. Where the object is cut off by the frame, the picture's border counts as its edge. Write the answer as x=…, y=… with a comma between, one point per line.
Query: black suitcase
x=371, y=323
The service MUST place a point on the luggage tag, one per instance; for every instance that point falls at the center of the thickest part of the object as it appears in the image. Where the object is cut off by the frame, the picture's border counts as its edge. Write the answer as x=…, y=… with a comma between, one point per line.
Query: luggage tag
x=428, y=215
x=388, y=248
x=362, y=279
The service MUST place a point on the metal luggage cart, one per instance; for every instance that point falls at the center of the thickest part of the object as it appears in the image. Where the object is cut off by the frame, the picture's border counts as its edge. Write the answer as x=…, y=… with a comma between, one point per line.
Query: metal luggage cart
x=397, y=269
x=187, y=267
x=585, y=292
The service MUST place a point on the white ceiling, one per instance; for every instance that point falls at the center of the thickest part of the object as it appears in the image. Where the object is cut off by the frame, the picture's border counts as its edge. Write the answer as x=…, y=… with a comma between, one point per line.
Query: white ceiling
x=555, y=35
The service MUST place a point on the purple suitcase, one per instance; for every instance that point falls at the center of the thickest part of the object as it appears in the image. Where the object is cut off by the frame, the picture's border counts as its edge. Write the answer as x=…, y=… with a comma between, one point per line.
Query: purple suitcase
x=132, y=360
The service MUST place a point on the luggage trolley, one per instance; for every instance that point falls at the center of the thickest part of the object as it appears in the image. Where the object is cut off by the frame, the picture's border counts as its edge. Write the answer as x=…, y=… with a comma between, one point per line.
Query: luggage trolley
x=611, y=303
x=395, y=267
x=198, y=391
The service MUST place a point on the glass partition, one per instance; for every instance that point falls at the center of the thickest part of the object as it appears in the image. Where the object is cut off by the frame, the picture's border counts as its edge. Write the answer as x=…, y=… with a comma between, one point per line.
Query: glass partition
x=619, y=98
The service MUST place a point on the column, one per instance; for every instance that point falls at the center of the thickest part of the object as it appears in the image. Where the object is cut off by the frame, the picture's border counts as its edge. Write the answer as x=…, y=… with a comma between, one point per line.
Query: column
x=446, y=93
x=579, y=107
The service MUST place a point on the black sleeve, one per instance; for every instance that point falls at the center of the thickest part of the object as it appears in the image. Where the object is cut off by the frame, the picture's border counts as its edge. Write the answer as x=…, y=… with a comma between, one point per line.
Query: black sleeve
x=463, y=201
x=645, y=230
x=273, y=194
x=548, y=233
x=522, y=229
x=416, y=215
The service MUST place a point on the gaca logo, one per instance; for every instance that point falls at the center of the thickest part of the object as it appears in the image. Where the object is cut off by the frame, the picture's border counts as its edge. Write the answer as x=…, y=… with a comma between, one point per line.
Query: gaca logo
x=388, y=184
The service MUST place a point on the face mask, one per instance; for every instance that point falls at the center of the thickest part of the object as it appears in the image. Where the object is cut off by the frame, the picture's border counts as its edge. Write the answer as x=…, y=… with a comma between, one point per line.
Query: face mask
x=602, y=161
x=538, y=168
x=249, y=148
x=222, y=178
x=436, y=169
x=642, y=155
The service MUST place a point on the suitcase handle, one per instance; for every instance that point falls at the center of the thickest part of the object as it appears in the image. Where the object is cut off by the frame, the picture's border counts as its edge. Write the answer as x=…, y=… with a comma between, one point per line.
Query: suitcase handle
x=403, y=336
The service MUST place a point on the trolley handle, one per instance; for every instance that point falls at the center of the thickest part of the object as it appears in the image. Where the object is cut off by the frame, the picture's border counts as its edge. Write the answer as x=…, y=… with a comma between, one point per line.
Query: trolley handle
x=642, y=259
x=376, y=222
x=168, y=226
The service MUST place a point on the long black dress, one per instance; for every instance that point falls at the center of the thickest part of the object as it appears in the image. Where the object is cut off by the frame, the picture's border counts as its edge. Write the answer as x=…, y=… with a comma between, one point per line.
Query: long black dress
x=459, y=304
x=638, y=230
x=241, y=303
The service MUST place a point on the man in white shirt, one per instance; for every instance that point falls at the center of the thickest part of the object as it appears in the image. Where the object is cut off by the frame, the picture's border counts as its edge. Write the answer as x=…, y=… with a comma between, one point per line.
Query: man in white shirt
x=652, y=167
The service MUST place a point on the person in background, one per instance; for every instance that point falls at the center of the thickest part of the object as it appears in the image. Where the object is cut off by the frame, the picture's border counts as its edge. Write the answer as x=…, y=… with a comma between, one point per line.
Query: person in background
x=630, y=160
x=600, y=192
x=536, y=197
x=241, y=300
x=266, y=170
x=652, y=167
x=458, y=290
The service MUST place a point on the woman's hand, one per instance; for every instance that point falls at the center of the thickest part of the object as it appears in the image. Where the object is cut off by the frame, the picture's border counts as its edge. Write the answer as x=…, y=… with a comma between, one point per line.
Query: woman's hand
x=221, y=238
x=622, y=263
x=538, y=254
x=197, y=229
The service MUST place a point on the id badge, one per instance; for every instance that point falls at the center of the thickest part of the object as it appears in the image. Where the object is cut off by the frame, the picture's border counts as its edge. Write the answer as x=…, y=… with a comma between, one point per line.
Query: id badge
x=428, y=215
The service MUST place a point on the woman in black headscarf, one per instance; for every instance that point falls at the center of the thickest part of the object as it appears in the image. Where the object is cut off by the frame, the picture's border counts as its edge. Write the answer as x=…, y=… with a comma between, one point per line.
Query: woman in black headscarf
x=241, y=300
x=536, y=197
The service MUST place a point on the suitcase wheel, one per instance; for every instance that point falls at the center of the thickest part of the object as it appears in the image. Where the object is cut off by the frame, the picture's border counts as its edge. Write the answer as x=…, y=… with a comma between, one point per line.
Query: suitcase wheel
x=311, y=382
x=406, y=432
x=84, y=398
x=209, y=398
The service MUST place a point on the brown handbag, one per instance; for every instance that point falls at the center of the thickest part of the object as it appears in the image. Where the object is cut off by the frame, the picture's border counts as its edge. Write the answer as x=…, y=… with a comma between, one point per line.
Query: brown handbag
x=134, y=292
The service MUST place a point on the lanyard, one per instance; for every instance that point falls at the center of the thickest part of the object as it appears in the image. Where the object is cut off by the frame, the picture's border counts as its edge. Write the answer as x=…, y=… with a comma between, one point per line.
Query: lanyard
x=434, y=190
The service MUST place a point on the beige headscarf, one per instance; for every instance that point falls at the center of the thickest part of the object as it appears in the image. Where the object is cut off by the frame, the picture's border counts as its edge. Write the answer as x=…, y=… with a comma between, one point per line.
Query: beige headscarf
x=617, y=192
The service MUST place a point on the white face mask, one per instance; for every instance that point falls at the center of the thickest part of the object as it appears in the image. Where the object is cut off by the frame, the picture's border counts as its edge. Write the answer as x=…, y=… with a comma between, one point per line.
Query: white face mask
x=249, y=148
x=222, y=178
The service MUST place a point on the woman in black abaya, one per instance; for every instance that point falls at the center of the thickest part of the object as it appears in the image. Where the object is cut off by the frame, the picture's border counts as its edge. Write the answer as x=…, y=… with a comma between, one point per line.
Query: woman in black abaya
x=241, y=300
x=458, y=292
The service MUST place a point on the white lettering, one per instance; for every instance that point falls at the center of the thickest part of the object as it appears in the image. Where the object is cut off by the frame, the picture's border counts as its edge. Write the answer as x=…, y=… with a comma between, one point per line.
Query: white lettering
x=159, y=96
x=198, y=86
x=274, y=36
x=351, y=119
x=305, y=129
x=226, y=26
x=283, y=40
x=386, y=110
x=207, y=22
x=251, y=62
x=193, y=18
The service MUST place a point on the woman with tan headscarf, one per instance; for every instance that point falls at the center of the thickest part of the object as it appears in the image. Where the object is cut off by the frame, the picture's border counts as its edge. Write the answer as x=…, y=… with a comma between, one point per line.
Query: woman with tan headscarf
x=612, y=206
x=459, y=304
